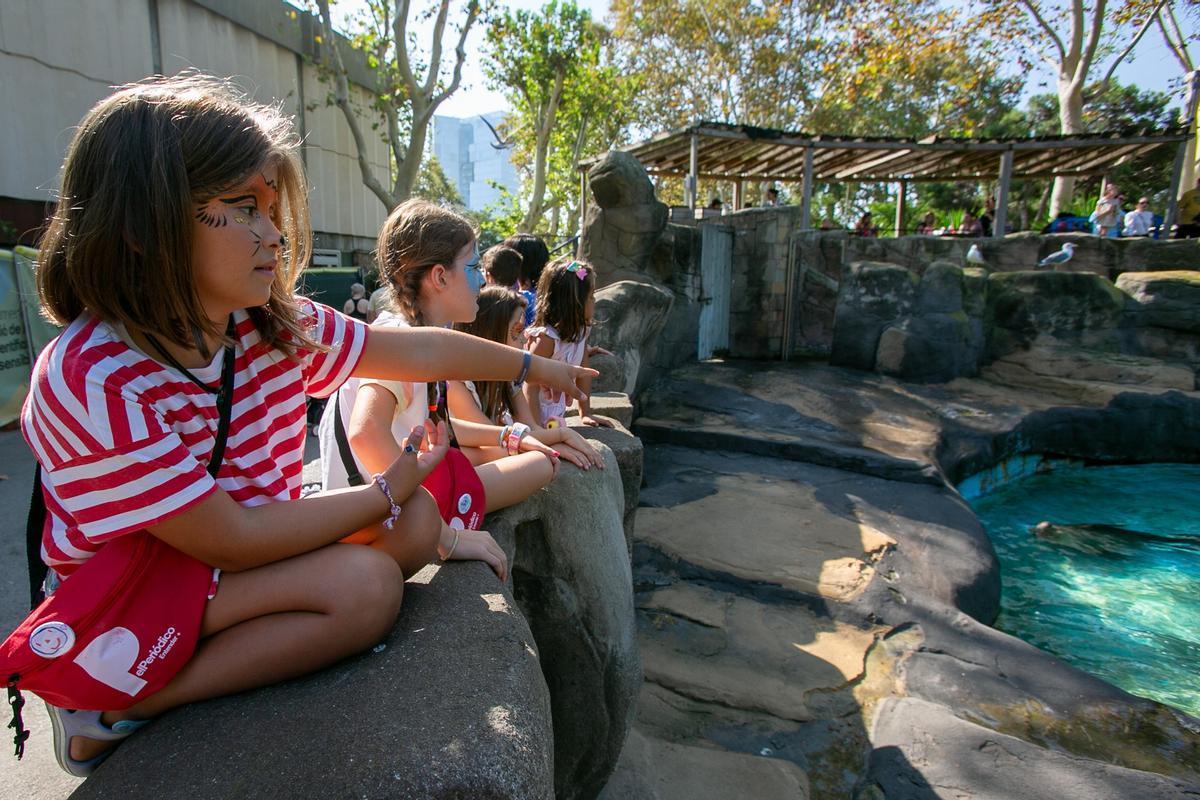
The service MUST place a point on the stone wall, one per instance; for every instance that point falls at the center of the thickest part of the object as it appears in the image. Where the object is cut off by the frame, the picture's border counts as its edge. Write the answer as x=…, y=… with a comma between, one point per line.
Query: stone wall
x=950, y=322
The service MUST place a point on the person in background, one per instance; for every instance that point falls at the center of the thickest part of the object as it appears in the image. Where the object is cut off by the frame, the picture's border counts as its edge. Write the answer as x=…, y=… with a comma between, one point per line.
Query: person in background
x=771, y=197
x=928, y=222
x=1107, y=216
x=864, y=227
x=534, y=255
x=1189, y=213
x=501, y=266
x=357, y=305
x=715, y=204
x=970, y=225
x=988, y=218
x=1140, y=221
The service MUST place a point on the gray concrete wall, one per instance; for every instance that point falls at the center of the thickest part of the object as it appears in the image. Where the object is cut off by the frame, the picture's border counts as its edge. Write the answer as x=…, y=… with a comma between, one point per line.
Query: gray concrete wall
x=58, y=57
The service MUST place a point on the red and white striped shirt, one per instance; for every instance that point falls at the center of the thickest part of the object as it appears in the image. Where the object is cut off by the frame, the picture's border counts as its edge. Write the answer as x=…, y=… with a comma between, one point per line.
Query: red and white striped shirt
x=124, y=441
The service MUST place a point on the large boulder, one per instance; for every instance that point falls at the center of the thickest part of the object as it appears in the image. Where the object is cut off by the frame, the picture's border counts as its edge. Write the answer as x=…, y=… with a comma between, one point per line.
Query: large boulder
x=631, y=316
x=1152, y=255
x=931, y=347
x=625, y=222
x=1021, y=306
x=451, y=704
x=871, y=297
x=1163, y=299
x=571, y=578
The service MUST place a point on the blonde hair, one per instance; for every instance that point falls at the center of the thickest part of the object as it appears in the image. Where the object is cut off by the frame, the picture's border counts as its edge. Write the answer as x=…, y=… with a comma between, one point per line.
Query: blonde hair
x=119, y=244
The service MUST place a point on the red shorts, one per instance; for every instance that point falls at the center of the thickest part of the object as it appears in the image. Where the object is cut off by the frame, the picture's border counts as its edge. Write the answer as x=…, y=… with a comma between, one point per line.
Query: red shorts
x=458, y=491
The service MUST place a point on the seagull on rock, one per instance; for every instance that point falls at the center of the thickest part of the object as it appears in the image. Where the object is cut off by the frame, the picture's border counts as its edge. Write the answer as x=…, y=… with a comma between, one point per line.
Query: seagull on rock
x=975, y=256
x=1060, y=257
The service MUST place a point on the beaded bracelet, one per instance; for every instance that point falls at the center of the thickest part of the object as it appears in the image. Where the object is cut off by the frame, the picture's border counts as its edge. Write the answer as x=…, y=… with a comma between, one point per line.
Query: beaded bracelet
x=515, y=435
x=382, y=483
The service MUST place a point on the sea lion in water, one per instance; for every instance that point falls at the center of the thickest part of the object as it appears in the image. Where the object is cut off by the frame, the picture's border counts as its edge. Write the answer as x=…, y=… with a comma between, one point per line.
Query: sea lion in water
x=1106, y=540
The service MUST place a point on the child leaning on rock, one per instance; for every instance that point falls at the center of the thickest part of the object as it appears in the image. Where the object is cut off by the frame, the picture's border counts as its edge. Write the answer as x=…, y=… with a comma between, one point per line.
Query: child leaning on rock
x=177, y=244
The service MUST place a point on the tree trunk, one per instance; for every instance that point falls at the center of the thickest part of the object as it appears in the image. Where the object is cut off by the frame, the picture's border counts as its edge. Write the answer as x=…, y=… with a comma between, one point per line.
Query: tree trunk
x=541, y=155
x=1070, y=117
x=1045, y=199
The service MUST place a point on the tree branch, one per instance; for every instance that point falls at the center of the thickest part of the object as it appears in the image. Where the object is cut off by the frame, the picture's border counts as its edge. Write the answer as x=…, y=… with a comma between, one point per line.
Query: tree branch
x=1137, y=37
x=342, y=100
x=435, y=49
x=400, y=43
x=1093, y=40
x=460, y=54
x=1179, y=46
x=1057, y=42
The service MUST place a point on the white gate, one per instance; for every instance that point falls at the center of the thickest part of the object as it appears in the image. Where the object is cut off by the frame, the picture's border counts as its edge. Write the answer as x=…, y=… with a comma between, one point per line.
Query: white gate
x=716, y=256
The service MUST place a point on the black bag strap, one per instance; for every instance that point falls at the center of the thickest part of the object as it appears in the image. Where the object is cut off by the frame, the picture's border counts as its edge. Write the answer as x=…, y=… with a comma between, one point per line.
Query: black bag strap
x=35, y=523
x=353, y=476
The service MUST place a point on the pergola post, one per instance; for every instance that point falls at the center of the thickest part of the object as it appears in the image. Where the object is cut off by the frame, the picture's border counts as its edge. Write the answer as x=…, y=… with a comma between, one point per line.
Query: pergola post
x=737, y=195
x=1173, y=193
x=901, y=197
x=1000, y=223
x=806, y=192
x=689, y=189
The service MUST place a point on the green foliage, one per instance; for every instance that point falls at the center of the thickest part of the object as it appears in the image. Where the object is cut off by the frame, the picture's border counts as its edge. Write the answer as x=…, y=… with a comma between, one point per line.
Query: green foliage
x=432, y=184
x=567, y=98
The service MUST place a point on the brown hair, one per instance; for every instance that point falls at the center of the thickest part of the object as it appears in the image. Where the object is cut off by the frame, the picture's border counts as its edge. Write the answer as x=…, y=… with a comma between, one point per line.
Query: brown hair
x=562, y=298
x=497, y=305
x=417, y=236
x=502, y=264
x=534, y=255
x=120, y=242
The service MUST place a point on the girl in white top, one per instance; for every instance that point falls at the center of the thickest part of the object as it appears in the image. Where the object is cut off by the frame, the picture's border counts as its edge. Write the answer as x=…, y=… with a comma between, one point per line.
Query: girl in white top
x=566, y=300
x=501, y=318
x=428, y=259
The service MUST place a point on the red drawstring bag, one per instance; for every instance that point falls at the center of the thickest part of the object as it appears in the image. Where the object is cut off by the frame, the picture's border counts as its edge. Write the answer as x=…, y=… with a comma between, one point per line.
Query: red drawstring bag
x=458, y=491
x=115, y=632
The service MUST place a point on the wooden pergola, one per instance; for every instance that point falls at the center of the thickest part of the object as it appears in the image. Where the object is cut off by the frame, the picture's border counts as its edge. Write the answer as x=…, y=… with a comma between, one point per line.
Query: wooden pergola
x=740, y=153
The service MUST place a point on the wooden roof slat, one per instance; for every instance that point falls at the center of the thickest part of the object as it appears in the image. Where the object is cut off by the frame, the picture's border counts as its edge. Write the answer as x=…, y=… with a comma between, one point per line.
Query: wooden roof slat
x=733, y=152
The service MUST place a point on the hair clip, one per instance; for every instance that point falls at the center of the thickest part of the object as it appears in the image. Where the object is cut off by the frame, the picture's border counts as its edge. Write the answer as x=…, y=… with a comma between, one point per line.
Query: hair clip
x=579, y=269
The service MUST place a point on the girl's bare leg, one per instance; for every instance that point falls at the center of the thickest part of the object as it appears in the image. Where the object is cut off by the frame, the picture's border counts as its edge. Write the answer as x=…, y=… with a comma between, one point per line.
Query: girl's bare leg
x=510, y=480
x=278, y=621
x=483, y=455
x=413, y=541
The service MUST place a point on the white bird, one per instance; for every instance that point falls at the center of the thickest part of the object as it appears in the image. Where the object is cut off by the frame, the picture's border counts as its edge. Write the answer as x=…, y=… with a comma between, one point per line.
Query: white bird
x=975, y=256
x=1060, y=257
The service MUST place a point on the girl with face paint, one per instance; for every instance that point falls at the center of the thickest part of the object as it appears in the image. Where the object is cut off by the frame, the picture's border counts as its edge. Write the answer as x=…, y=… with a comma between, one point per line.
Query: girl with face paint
x=429, y=259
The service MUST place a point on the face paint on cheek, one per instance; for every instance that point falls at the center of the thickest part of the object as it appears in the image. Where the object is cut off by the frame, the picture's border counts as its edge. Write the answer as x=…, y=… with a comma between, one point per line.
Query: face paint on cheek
x=212, y=215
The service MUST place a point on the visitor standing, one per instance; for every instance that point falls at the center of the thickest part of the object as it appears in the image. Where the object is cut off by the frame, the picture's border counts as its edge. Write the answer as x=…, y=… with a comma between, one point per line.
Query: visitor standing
x=1107, y=216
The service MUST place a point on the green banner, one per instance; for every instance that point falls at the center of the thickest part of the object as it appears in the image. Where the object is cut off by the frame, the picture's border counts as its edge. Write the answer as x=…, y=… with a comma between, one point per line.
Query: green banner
x=23, y=332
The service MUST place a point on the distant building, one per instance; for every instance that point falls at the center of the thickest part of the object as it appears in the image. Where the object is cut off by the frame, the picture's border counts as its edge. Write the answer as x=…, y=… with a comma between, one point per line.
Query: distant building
x=464, y=147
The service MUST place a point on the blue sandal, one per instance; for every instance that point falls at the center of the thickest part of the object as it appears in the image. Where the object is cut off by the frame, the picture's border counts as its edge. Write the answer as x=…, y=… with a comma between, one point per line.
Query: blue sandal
x=69, y=724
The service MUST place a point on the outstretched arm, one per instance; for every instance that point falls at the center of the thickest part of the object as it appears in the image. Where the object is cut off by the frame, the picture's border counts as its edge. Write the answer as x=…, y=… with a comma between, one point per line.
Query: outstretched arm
x=425, y=354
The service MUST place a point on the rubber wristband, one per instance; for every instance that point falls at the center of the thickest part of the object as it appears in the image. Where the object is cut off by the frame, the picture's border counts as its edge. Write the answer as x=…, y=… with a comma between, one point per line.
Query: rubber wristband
x=453, y=545
x=513, y=442
x=382, y=483
x=504, y=432
x=526, y=360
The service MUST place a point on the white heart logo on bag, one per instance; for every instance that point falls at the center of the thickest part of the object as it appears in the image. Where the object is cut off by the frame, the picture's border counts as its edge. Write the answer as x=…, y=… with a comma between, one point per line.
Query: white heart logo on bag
x=456, y=524
x=52, y=639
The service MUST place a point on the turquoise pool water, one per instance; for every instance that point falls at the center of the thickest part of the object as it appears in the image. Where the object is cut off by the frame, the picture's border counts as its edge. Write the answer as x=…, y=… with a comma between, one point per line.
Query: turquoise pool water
x=1122, y=601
